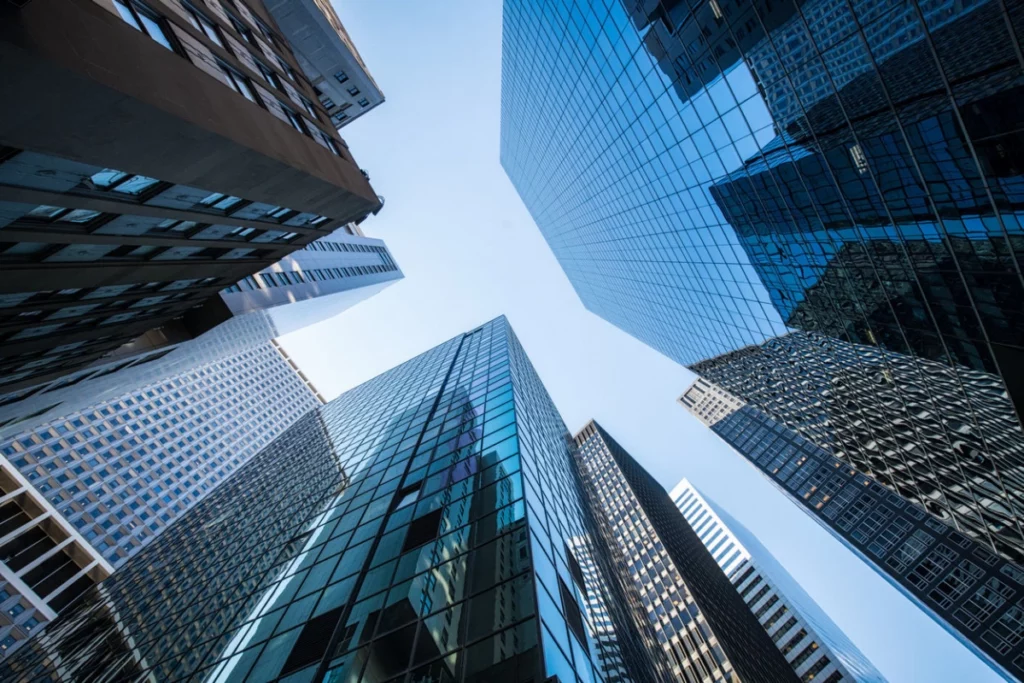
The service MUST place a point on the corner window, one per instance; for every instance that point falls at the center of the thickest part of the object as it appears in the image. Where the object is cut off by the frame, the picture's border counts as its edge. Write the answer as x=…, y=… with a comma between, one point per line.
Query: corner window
x=143, y=19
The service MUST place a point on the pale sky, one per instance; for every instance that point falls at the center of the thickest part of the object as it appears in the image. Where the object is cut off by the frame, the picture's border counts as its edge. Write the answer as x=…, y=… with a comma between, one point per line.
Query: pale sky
x=470, y=252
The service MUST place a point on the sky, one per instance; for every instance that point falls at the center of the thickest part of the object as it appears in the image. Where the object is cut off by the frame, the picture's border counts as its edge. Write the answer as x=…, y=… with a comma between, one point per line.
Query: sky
x=470, y=252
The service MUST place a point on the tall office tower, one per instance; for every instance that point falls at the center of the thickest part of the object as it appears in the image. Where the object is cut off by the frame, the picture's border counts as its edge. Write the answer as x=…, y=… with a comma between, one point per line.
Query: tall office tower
x=327, y=55
x=196, y=153
x=90, y=488
x=715, y=176
x=903, y=421
x=811, y=642
x=318, y=281
x=384, y=535
x=699, y=617
x=974, y=594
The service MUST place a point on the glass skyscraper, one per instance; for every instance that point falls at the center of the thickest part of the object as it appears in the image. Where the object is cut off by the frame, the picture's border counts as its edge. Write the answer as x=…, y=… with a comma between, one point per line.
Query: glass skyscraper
x=718, y=176
x=428, y=525
x=706, y=631
x=811, y=642
x=977, y=596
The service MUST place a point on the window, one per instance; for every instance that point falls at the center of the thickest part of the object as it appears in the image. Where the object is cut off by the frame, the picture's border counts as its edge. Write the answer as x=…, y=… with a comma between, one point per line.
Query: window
x=63, y=215
x=143, y=19
x=573, y=617
x=363, y=102
x=293, y=118
x=353, y=91
x=121, y=182
x=313, y=640
x=220, y=201
x=408, y=497
x=243, y=30
x=206, y=26
x=239, y=82
x=341, y=76
x=270, y=75
x=422, y=530
x=308, y=106
x=331, y=144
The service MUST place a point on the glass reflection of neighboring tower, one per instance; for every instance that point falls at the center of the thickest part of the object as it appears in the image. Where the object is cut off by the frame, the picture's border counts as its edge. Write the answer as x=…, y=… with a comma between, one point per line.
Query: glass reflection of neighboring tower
x=384, y=535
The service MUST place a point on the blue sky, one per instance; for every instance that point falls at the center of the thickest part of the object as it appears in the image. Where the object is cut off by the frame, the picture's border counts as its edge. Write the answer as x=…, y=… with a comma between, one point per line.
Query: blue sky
x=470, y=252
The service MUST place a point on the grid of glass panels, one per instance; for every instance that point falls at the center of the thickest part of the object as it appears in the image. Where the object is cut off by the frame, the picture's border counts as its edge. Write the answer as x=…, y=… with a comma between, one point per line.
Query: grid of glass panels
x=715, y=175
x=383, y=537
x=943, y=438
x=972, y=592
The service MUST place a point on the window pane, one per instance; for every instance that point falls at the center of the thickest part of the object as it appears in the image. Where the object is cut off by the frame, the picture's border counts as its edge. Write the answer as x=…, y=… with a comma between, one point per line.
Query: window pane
x=45, y=211
x=136, y=185
x=155, y=31
x=107, y=177
x=127, y=15
x=79, y=216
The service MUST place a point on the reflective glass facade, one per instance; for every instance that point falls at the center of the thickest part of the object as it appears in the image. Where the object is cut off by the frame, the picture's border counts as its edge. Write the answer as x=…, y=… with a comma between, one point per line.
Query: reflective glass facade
x=811, y=642
x=424, y=526
x=973, y=593
x=726, y=175
x=705, y=630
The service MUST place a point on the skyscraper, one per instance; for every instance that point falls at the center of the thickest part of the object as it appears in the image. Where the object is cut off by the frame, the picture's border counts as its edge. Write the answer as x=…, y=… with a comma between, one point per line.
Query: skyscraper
x=713, y=177
x=426, y=523
x=95, y=481
x=196, y=153
x=970, y=591
x=906, y=422
x=706, y=630
x=813, y=645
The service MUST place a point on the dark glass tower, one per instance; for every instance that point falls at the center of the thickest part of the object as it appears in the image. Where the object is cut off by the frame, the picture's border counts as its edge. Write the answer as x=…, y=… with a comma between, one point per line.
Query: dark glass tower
x=427, y=525
x=843, y=177
x=706, y=630
x=970, y=591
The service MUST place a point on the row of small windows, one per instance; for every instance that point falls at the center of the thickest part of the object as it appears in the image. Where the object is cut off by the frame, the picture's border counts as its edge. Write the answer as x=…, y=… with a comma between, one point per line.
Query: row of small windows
x=283, y=279
x=151, y=23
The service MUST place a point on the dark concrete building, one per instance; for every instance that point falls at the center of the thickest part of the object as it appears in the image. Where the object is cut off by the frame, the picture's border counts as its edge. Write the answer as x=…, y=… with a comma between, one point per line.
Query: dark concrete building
x=159, y=153
x=706, y=630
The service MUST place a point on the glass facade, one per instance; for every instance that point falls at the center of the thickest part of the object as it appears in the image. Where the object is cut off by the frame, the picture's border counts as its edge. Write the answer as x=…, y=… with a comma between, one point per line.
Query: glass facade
x=705, y=631
x=973, y=593
x=720, y=176
x=814, y=646
x=424, y=526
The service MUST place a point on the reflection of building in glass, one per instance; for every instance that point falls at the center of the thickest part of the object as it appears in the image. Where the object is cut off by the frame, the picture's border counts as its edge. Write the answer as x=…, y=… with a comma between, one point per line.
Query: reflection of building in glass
x=197, y=155
x=384, y=533
x=811, y=642
x=946, y=439
x=970, y=591
x=856, y=174
x=706, y=630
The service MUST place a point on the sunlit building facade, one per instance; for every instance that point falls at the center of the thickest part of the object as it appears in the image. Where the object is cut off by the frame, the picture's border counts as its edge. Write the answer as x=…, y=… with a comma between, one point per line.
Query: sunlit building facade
x=700, y=620
x=422, y=526
x=977, y=596
x=811, y=642
x=110, y=474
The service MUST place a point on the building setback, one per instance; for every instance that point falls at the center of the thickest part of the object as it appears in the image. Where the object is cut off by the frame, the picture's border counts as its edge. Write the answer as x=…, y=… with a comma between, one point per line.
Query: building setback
x=196, y=154
x=812, y=644
x=385, y=533
x=700, y=619
x=970, y=591
x=89, y=489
